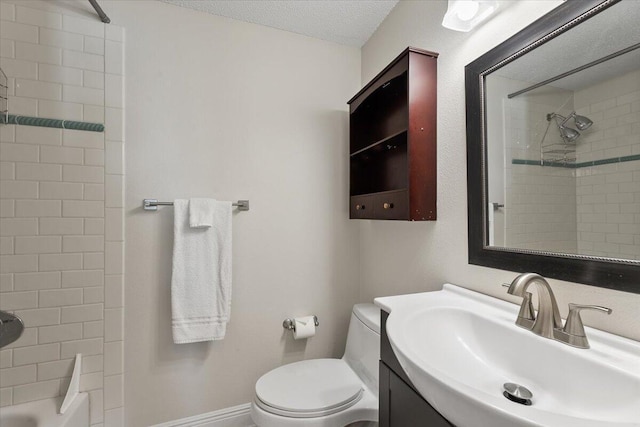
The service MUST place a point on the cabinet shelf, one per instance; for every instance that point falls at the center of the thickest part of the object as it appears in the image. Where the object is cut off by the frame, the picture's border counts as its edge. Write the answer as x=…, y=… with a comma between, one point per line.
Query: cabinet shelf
x=382, y=193
x=378, y=143
x=382, y=167
x=392, y=126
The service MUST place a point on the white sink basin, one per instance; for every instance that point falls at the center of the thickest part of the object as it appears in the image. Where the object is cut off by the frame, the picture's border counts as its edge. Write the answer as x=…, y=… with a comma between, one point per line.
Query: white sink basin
x=459, y=347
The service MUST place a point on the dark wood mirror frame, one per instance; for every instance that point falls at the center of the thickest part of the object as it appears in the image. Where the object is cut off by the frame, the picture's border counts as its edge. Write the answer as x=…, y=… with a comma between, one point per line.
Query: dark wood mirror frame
x=602, y=272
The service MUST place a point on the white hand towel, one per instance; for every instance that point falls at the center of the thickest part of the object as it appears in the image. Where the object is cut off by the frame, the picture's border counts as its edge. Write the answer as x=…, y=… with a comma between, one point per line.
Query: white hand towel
x=201, y=280
x=201, y=212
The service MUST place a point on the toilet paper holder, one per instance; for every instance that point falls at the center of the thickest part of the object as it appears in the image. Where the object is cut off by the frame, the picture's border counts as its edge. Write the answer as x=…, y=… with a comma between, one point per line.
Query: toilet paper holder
x=290, y=324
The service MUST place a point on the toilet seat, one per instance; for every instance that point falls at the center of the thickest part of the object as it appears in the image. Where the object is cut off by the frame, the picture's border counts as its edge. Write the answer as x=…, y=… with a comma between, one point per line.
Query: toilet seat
x=311, y=388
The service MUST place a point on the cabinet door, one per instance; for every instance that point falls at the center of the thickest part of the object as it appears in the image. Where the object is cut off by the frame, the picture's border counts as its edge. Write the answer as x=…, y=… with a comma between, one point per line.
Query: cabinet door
x=361, y=207
x=384, y=395
x=401, y=406
x=391, y=205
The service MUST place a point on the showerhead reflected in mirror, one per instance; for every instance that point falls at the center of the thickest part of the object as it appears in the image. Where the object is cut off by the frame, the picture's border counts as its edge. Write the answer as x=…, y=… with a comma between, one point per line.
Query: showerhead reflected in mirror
x=569, y=134
x=582, y=122
x=563, y=141
x=569, y=210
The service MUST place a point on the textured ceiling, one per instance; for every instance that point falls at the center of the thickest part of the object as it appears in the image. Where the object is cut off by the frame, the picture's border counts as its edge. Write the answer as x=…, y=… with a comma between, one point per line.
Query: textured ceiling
x=348, y=22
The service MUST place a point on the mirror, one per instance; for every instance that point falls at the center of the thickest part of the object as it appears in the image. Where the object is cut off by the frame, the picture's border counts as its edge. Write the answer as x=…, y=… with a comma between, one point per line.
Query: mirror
x=553, y=147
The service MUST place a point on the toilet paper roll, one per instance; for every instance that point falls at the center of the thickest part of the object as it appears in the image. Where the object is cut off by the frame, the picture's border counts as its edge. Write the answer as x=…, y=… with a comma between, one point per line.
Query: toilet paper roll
x=305, y=327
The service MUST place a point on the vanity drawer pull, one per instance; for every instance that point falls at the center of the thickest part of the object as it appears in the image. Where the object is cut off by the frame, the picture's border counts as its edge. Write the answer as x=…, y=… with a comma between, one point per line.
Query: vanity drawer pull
x=388, y=205
x=360, y=207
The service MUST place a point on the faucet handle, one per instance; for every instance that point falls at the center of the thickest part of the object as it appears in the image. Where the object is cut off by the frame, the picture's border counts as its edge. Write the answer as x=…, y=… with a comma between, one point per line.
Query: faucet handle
x=574, y=328
x=574, y=324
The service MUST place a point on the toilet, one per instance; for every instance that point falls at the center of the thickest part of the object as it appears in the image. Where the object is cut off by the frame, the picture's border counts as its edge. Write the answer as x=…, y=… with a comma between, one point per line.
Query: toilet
x=326, y=392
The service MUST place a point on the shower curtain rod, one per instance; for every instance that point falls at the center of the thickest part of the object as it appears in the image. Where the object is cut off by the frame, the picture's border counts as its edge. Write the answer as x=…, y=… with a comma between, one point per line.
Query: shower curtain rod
x=103, y=16
x=575, y=70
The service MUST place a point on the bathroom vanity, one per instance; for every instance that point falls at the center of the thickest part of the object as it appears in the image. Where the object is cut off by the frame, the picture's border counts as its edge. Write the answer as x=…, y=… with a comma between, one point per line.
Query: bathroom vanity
x=459, y=357
x=400, y=404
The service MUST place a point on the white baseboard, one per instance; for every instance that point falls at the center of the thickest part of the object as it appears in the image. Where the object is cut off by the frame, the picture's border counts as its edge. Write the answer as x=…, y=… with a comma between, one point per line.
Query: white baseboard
x=236, y=416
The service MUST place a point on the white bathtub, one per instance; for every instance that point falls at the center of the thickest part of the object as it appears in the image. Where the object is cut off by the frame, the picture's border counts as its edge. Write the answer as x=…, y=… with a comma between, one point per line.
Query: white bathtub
x=44, y=413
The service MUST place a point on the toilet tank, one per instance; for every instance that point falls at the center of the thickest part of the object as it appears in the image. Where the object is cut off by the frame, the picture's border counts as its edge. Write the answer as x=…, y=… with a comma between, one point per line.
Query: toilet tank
x=362, y=352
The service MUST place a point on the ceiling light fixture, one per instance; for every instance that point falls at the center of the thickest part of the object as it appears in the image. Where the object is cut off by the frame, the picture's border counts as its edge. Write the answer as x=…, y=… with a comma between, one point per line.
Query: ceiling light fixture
x=463, y=15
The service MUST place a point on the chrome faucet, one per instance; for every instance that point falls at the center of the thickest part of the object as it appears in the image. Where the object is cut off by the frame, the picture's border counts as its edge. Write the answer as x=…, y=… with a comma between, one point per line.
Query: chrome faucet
x=547, y=322
x=548, y=318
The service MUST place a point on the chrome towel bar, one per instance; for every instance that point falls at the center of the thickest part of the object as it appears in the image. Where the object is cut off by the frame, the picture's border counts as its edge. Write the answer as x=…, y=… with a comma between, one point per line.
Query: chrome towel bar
x=152, y=204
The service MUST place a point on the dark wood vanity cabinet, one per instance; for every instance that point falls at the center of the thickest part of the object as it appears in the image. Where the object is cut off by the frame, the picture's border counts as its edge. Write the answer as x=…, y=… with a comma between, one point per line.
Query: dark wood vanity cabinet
x=400, y=404
x=392, y=126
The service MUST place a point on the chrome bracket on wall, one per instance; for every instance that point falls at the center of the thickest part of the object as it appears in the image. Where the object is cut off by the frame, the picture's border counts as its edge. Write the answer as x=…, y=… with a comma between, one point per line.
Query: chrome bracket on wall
x=103, y=16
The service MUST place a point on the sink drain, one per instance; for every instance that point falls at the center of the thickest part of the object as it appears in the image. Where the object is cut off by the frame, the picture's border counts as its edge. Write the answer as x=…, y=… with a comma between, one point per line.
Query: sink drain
x=517, y=393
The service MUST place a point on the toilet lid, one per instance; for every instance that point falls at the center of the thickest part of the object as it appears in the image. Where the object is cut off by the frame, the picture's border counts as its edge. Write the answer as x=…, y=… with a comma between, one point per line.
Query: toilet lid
x=318, y=386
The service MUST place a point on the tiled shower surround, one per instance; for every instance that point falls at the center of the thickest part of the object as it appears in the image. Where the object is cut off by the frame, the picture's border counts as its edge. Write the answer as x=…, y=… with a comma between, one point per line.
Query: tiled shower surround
x=61, y=200
x=540, y=202
x=608, y=195
x=591, y=206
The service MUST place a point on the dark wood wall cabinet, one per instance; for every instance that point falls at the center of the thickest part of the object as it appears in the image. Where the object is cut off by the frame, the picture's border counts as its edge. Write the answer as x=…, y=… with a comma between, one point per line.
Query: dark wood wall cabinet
x=400, y=404
x=392, y=127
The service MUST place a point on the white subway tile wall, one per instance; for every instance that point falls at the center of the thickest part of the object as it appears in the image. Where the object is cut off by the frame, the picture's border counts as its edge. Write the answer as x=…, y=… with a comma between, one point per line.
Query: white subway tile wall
x=592, y=209
x=540, y=202
x=61, y=210
x=609, y=194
